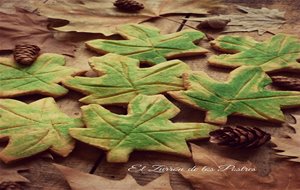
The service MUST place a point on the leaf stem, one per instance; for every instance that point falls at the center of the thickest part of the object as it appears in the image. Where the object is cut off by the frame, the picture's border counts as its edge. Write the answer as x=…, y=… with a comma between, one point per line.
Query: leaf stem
x=179, y=22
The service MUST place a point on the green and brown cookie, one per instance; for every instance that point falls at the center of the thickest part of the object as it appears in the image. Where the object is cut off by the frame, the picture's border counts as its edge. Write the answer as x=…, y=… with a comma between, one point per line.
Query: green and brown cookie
x=42, y=77
x=146, y=44
x=278, y=53
x=121, y=79
x=35, y=127
x=243, y=94
x=146, y=127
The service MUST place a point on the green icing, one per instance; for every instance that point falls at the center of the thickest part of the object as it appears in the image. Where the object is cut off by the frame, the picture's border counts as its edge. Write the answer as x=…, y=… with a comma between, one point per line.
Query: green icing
x=243, y=94
x=146, y=44
x=34, y=128
x=42, y=77
x=123, y=79
x=278, y=53
x=145, y=127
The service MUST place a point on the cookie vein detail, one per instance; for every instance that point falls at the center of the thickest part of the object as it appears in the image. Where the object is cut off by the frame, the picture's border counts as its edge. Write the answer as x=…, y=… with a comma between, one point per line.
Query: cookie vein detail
x=33, y=128
x=121, y=79
x=42, y=77
x=278, y=53
x=243, y=94
x=145, y=127
x=146, y=44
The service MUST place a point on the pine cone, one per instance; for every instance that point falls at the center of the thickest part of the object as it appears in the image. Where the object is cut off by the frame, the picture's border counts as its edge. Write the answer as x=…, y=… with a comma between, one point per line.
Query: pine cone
x=128, y=5
x=8, y=185
x=26, y=54
x=216, y=24
x=286, y=82
x=239, y=137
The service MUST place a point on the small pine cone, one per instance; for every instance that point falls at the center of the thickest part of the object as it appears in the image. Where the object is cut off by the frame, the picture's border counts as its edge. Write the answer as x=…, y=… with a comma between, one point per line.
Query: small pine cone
x=26, y=54
x=216, y=24
x=8, y=185
x=239, y=137
x=286, y=82
x=128, y=5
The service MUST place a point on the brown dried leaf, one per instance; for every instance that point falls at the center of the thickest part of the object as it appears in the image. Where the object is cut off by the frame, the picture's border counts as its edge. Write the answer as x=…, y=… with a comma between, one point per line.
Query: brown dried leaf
x=261, y=20
x=84, y=181
x=100, y=16
x=284, y=175
x=290, y=83
x=8, y=6
x=290, y=145
x=12, y=175
x=26, y=27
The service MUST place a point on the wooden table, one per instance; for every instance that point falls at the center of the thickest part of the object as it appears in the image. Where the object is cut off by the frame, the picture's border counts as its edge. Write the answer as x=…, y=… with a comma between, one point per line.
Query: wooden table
x=91, y=160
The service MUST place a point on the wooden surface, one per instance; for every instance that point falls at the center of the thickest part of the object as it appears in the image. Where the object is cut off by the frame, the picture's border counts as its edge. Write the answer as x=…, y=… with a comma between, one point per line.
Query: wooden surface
x=91, y=160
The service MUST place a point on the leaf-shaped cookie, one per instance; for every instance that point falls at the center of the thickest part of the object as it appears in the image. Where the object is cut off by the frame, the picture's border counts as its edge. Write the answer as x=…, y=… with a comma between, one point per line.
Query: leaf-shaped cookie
x=278, y=53
x=243, y=94
x=85, y=181
x=146, y=44
x=145, y=127
x=123, y=79
x=289, y=146
x=35, y=127
x=42, y=77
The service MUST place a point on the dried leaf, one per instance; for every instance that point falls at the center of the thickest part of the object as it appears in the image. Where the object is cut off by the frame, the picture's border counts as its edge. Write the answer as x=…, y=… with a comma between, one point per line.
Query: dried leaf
x=243, y=94
x=26, y=27
x=215, y=172
x=42, y=77
x=261, y=20
x=100, y=16
x=123, y=79
x=84, y=181
x=146, y=44
x=278, y=53
x=35, y=127
x=290, y=145
x=12, y=175
x=146, y=127
x=8, y=6
x=290, y=83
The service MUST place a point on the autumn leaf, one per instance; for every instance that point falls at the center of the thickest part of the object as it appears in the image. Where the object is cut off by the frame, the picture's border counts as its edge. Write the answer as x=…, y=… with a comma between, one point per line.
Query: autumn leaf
x=278, y=53
x=122, y=79
x=26, y=27
x=289, y=145
x=261, y=20
x=286, y=82
x=216, y=172
x=145, y=127
x=102, y=17
x=12, y=175
x=33, y=128
x=146, y=44
x=242, y=94
x=42, y=77
x=83, y=181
